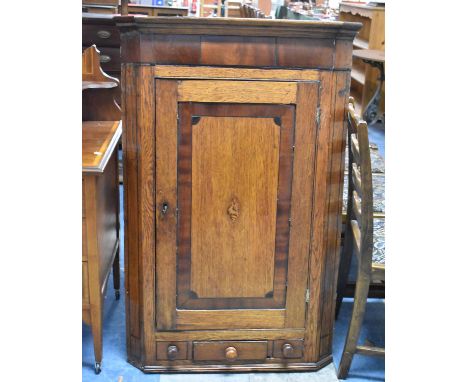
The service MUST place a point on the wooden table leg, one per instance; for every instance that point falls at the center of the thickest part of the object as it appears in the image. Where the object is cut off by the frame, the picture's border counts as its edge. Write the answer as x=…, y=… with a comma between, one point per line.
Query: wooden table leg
x=116, y=264
x=116, y=274
x=96, y=329
x=371, y=111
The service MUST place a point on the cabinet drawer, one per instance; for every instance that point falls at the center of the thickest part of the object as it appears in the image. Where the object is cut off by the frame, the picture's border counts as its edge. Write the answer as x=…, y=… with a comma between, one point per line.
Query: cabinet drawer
x=171, y=350
x=110, y=59
x=288, y=349
x=101, y=35
x=230, y=351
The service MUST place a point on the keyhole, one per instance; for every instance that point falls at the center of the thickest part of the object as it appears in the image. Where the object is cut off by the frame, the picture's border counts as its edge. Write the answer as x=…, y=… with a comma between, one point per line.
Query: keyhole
x=164, y=208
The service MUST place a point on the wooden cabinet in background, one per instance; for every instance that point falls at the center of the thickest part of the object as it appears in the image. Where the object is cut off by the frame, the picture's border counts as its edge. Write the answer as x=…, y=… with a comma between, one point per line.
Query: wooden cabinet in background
x=151, y=10
x=364, y=78
x=233, y=183
x=100, y=222
x=100, y=30
x=101, y=131
x=100, y=6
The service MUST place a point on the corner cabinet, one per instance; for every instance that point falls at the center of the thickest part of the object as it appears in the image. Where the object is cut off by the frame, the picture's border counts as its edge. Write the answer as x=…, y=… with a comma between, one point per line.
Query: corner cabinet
x=234, y=141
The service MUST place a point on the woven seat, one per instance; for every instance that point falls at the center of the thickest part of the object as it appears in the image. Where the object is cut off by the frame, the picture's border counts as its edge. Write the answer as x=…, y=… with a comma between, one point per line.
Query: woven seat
x=378, y=253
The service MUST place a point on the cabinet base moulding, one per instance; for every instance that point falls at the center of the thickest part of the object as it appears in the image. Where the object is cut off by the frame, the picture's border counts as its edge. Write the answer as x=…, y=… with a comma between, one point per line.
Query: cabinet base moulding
x=284, y=366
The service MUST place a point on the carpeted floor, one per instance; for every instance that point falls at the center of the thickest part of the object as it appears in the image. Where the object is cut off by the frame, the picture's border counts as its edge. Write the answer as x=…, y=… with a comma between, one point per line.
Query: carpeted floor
x=363, y=369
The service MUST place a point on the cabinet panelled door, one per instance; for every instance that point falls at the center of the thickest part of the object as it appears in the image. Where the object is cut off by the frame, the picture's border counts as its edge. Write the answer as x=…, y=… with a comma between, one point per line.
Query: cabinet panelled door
x=227, y=195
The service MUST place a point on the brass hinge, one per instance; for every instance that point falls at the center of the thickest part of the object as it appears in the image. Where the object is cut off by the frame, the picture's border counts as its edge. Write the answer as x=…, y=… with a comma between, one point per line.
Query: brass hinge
x=307, y=297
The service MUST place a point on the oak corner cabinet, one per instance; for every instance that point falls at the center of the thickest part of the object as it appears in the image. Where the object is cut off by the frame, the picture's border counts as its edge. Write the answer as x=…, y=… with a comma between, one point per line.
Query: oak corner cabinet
x=234, y=142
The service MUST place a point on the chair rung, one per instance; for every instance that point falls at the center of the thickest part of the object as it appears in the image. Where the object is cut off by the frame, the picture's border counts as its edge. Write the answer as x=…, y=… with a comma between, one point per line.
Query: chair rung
x=356, y=234
x=355, y=148
x=376, y=215
x=357, y=179
x=378, y=272
x=357, y=206
x=370, y=350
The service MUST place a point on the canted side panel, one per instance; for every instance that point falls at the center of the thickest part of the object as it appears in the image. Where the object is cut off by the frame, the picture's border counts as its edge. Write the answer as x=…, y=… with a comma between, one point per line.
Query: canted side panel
x=235, y=167
x=146, y=206
x=234, y=194
x=302, y=188
x=326, y=217
x=130, y=167
x=319, y=223
x=335, y=200
x=139, y=210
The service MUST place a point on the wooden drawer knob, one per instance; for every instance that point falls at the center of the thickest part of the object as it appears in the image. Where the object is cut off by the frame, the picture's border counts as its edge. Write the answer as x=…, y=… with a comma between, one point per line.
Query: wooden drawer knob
x=103, y=34
x=172, y=352
x=288, y=350
x=104, y=59
x=231, y=353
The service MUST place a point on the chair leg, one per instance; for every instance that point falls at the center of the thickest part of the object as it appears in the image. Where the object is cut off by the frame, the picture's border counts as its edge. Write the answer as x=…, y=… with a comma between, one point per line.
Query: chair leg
x=345, y=265
x=116, y=275
x=359, y=308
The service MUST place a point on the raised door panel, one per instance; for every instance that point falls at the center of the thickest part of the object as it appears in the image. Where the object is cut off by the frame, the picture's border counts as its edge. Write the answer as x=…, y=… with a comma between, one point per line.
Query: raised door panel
x=233, y=212
x=234, y=195
x=225, y=159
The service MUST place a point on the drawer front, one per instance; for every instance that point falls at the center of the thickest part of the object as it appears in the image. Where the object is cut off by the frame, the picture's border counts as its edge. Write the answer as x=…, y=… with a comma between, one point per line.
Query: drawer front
x=110, y=59
x=101, y=35
x=230, y=351
x=288, y=349
x=170, y=351
x=136, y=10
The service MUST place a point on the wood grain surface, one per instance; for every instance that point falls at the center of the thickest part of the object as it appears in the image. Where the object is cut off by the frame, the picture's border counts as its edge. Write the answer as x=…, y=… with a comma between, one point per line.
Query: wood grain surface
x=235, y=164
x=210, y=72
x=196, y=119
x=230, y=319
x=216, y=350
x=99, y=139
x=238, y=92
x=166, y=173
x=240, y=200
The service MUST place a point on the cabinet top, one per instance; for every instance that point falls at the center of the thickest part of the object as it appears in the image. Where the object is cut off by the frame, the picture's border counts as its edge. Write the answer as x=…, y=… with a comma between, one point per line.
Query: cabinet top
x=238, y=27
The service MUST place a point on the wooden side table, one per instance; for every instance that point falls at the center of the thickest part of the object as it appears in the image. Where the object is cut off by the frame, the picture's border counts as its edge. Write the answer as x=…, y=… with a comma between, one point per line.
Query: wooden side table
x=371, y=36
x=100, y=235
x=376, y=59
x=101, y=131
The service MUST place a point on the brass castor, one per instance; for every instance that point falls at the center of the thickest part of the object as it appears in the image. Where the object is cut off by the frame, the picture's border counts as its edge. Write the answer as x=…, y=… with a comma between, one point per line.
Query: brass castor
x=97, y=367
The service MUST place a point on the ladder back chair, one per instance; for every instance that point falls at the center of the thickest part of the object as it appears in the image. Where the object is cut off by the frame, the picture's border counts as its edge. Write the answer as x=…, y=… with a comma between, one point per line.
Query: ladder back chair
x=361, y=233
x=346, y=282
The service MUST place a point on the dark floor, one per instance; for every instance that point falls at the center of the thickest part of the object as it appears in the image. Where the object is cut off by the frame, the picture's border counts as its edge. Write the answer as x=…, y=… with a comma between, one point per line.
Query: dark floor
x=363, y=369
